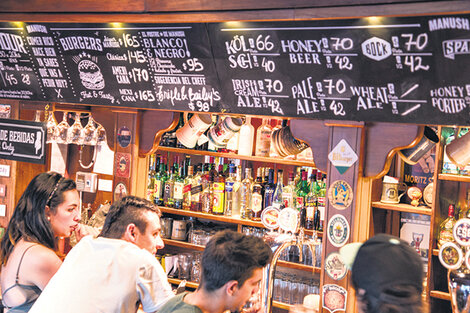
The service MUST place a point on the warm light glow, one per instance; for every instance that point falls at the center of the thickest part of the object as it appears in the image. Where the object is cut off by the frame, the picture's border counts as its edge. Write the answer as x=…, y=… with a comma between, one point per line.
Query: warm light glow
x=116, y=24
x=374, y=20
x=234, y=24
x=18, y=24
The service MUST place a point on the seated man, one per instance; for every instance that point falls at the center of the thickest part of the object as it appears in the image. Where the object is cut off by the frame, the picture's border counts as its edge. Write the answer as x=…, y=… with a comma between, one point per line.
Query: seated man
x=116, y=271
x=232, y=268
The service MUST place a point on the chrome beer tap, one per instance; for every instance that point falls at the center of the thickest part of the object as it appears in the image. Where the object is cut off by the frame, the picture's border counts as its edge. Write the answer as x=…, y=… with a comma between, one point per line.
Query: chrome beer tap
x=279, y=241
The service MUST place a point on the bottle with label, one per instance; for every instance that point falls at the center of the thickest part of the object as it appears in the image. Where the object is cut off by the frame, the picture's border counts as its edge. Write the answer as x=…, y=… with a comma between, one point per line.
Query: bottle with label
x=230, y=190
x=150, y=195
x=263, y=138
x=311, y=202
x=446, y=227
x=245, y=194
x=196, y=189
x=218, y=200
x=206, y=194
x=160, y=181
x=246, y=137
x=178, y=187
x=188, y=181
x=277, y=195
x=301, y=191
x=321, y=198
x=236, y=192
x=169, y=189
x=180, y=125
x=288, y=192
x=269, y=189
x=257, y=193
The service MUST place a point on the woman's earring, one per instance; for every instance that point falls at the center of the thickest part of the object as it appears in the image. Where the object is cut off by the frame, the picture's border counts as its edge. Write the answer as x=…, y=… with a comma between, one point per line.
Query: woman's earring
x=49, y=218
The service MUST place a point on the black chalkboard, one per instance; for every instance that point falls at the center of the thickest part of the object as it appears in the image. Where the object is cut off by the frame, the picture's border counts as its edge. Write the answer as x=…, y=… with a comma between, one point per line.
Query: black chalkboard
x=395, y=69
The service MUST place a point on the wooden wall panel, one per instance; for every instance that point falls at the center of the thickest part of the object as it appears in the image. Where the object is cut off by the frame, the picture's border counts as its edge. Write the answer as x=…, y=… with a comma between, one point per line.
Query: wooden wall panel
x=35, y=6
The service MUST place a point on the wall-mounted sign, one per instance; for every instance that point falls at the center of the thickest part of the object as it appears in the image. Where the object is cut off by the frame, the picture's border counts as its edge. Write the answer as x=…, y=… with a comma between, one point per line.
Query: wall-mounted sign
x=3, y=190
x=120, y=191
x=334, y=298
x=122, y=165
x=22, y=141
x=338, y=230
x=340, y=194
x=4, y=170
x=124, y=136
x=342, y=156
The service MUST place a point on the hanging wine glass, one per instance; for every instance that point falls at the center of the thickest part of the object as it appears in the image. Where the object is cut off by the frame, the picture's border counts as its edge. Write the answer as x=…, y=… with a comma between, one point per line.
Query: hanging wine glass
x=74, y=131
x=87, y=136
x=60, y=131
x=100, y=135
x=51, y=124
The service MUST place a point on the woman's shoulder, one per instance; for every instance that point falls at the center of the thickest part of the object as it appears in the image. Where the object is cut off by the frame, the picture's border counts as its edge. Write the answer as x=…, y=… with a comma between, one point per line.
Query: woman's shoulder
x=39, y=254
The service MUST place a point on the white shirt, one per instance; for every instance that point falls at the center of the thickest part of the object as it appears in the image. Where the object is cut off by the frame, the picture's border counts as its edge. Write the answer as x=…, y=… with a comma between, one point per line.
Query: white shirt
x=105, y=275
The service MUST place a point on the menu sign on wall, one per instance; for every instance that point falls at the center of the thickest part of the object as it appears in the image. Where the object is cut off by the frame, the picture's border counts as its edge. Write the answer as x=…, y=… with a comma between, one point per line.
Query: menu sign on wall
x=394, y=69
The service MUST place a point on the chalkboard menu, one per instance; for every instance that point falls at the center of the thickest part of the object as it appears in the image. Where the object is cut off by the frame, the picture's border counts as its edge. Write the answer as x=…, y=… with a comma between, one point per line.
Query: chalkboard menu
x=395, y=69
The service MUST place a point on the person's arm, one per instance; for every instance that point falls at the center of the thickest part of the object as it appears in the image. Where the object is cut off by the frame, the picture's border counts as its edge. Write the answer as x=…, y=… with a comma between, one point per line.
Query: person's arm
x=152, y=286
x=39, y=265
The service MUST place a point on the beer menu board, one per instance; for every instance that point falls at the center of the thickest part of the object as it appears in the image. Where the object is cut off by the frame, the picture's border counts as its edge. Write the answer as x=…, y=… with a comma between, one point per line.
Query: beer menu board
x=395, y=69
x=149, y=66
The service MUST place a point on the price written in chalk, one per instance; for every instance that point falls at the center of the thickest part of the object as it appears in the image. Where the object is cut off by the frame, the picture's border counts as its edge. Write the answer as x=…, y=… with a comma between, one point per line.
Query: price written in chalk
x=138, y=74
x=193, y=65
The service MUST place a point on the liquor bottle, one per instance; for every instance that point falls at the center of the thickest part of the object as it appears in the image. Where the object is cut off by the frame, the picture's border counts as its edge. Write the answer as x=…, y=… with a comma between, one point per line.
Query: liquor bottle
x=168, y=199
x=218, y=200
x=230, y=190
x=272, y=148
x=180, y=125
x=206, y=194
x=150, y=195
x=446, y=227
x=196, y=189
x=245, y=194
x=246, y=136
x=236, y=192
x=288, y=192
x=301, y=192
x=321, y=198
x=188, y=181
x=311, y=202
x=257, y=195
x=178, y=188
x=186, y=164
x=263, y=138
x=160, y=181
x=277, y=195
x=269, y=189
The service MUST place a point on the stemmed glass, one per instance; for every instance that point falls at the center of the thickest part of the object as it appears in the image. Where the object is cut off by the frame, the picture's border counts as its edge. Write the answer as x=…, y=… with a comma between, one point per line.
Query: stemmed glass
x=74, y=131
x=51, y=124
x=60, y=131
x=88, y=133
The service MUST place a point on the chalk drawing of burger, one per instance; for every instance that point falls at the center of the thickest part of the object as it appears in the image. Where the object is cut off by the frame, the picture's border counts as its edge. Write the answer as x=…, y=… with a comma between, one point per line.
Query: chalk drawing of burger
x=90, y=74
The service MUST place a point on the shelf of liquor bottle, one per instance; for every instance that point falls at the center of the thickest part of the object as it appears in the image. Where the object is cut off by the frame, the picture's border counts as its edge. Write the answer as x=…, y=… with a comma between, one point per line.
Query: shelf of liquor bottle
x=237, y=156
x=222, y=218
x=402, y=207
x=440, y=295
x=453, y=177
x=298, y=266
x=192, y=285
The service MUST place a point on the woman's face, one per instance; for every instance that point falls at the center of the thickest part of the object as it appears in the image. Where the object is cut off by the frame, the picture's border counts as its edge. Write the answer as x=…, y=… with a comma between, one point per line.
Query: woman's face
x=67, y=215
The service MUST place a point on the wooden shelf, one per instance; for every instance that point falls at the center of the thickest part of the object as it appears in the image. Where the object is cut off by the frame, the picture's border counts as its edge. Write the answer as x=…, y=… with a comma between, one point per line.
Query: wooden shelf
x=402, y=207
x=452, y=177
x=176, y=281
x=237, y=156
x=182, y=244
x=222, y=218
x=440, y=295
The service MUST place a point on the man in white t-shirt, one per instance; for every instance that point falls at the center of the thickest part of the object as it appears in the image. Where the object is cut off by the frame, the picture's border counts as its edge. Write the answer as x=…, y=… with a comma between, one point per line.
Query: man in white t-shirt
x=115, y=272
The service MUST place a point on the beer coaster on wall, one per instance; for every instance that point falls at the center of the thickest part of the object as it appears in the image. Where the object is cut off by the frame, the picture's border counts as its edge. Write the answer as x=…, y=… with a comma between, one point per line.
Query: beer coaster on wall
x=338, y=230
x=124, y=136
x=340, y=194
x=334, y=266
x=334, y=298
x=288, y=219
x=462, y=232
x=451, y=256
x=120, y=191
x=342, y=156
x=122, y=164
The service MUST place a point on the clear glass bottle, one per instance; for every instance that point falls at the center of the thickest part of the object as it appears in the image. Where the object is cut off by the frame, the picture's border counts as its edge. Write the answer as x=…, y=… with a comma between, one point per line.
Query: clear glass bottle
x=288, y=192
x=236, y=192
x=229, y=190
x=188, y=181
x=218, y=200
x=245, y=194
x=277, y=195
x=263, y=138
x=206, y=194
x=246, y=137
x=446, y=227
x=150, y=194
x=257, y=193
x=196, y=189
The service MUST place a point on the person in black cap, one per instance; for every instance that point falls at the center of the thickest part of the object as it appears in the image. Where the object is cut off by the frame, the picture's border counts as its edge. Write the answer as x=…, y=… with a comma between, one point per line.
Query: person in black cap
x=387, y=275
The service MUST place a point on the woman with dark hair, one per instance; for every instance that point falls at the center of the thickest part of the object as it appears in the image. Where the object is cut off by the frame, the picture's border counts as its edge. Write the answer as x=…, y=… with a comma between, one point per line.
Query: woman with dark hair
x=47, y=210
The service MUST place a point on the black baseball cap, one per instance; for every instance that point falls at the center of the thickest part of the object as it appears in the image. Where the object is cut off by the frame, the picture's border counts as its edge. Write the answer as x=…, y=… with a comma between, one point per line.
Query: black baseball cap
x=382, y=262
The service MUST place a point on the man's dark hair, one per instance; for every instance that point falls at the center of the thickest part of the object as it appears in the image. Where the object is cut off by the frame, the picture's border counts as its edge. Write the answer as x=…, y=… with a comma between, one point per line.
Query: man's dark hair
x=123, y=212
x=232, y=256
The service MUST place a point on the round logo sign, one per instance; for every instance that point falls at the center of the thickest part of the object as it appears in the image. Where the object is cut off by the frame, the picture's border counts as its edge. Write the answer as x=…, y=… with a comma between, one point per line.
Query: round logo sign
x=120, y=191
x=270, y=217
x=462, y=232
x=451, y=256
x=338, y=230
x=124, y=136
x=288, y=220
x=334, y=266
x=340, y=194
